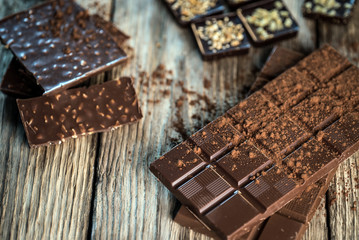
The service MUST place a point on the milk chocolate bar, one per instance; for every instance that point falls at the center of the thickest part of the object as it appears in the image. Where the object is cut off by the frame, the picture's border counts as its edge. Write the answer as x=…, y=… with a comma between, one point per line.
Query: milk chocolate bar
x=186, y=11
x=51, y=119
x=59, y=44
x=335, y=11
x=268, y=21
x=220, y=36
x=291, y=221
x=18, y=82
x=268, y=149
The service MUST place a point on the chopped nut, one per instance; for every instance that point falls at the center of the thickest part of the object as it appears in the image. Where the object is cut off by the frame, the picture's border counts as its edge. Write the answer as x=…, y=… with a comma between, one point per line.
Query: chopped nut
x=189, y=9
x=221, y=34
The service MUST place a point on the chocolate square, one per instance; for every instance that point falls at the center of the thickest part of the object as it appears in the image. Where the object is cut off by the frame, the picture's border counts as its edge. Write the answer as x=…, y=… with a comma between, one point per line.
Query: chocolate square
x=177, y=166
x=243, y=162
x=268, y=21
x=220, y=36
x=186, y=11
x=204, y=190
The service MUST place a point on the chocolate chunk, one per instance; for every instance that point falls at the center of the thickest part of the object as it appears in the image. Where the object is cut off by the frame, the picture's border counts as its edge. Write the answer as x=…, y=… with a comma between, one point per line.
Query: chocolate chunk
x=54, y=118
x=220, y=36
x=270, y=190
x=278, y=61
x=334, y=11
x=185, y=11
x=59, y=50
x=17, y=82
x=268, y=21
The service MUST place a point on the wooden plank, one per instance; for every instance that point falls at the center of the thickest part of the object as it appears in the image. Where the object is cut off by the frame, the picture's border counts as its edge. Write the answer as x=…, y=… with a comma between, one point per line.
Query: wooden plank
x=45, y=192
x=343, y=194
x=129, y=202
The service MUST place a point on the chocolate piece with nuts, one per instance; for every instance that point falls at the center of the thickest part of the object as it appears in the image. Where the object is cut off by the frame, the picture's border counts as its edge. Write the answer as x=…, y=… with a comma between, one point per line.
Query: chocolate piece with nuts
x=268, y=21
x=186, y=11
x=336, y=11
x=220, y=36
x=60, y=44
x=51, y=119
x=234, y=4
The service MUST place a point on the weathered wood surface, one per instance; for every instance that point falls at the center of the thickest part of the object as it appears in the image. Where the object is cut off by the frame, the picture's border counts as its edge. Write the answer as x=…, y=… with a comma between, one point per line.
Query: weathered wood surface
x=99, y=186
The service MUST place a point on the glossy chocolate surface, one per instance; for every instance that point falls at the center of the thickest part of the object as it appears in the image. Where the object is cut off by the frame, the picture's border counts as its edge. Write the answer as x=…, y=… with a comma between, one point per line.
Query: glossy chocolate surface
x=60, y=44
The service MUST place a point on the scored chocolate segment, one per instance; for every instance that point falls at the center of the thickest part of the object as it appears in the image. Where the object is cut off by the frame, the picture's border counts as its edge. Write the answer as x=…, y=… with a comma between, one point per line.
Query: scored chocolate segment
x=281, y=137
x=204, y=190
x=243, y=162
x=324, y=63
x=60, y=44
x=75, y=112
x=177, y=166
x=343, y=135
x=346, y=87
x=289, y=88
x=310, y=158
x=317, y=111
x=236, y=210
x=253, y=113
x=270, y=188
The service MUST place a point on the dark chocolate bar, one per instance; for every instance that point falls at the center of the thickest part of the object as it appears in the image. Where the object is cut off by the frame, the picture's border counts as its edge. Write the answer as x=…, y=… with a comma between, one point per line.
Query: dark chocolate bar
x=51, y=119
x=19, y=83
x=186, y=11
x=268, y=21
x=278, y=61
x=59, y=44
x=335, y=11
x=289, y=223
x=302, y=207
x=220, y=36
x=266, y=128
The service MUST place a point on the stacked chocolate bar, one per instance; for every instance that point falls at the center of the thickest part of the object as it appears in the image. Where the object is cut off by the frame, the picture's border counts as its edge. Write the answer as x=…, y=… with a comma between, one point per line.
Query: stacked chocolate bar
x=302, y=208
x=265, y=152
x=58, y=45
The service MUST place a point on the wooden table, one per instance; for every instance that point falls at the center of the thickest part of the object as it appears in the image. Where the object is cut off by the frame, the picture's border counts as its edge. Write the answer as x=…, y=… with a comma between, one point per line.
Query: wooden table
x=100, y=186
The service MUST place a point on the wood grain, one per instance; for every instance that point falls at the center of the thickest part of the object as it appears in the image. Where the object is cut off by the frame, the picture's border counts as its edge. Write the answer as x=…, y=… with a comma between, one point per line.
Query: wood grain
x=45, y=193
x=100, y=186
x=343, y=194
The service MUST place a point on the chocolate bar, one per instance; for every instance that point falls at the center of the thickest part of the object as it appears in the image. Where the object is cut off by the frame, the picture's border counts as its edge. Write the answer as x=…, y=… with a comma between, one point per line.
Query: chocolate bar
x=288, y=223
x=268, y=21
x=335, y=11
x=220, y=36
x=18, y=82
x=186, y=11
x=231, y=193
x=59, y=44
x=303, y=207
x=51, y=119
